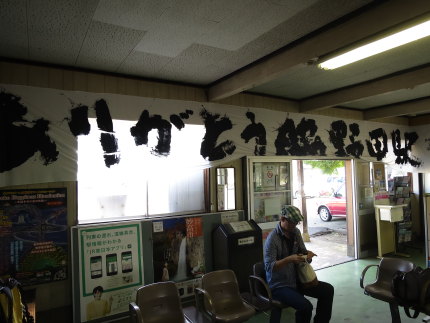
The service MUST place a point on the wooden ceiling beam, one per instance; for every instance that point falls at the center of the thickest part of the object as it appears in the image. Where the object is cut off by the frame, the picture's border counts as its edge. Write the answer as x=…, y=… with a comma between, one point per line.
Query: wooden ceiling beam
x=387, y=84
x=356, y=29
x=395, y=110
x=419, y=121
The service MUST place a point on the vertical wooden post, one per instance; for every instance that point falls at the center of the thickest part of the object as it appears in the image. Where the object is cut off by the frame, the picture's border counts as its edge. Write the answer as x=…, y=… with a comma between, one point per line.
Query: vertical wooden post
x=350, y=238
x=300, y=176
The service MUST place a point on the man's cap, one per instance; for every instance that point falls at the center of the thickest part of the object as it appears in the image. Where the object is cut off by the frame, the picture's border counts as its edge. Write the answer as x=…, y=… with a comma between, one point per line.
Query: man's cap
x=292, y=213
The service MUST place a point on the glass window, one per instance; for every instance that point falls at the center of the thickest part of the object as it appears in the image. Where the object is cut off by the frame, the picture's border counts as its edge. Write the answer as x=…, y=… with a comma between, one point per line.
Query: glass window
x=271, y=189
x=226, y=196
x=141, y=184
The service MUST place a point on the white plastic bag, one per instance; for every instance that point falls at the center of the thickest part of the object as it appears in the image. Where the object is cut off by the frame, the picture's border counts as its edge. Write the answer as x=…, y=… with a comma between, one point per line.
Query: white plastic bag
x=307, y=275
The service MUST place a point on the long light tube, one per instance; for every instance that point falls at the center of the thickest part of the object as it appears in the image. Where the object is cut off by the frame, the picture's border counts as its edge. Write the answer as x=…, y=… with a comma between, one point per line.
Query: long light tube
x=403, y=37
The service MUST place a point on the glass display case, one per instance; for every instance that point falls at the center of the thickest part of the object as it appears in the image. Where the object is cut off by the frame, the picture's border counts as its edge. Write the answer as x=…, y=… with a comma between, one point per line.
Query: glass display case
x=268, y=188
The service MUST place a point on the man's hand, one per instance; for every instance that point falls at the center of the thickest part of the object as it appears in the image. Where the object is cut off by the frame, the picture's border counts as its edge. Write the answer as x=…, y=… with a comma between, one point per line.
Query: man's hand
x=311, y=255
x=296, y=258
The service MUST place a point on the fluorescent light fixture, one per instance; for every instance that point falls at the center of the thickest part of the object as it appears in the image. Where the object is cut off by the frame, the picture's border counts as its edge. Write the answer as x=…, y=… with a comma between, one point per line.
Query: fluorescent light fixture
x=403, y=37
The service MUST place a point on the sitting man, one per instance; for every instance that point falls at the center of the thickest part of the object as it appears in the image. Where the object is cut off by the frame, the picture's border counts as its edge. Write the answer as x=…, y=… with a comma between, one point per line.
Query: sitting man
x=283, y=251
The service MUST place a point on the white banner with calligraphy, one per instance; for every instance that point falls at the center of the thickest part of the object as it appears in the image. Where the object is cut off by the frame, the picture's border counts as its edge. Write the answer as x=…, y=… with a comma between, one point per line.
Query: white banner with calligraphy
x=40, y=127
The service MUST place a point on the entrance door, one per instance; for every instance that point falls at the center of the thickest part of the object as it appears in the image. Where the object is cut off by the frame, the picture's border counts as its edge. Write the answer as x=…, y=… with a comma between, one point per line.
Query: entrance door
x=327, y=202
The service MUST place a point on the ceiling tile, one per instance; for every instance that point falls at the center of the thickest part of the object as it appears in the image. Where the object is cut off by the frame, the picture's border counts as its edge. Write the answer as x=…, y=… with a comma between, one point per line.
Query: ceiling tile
x=14, y=41
x=58, y=28
x=133, y=14
x=189, y=64
x=107, y=46
x=139, y=63
x=244, y=23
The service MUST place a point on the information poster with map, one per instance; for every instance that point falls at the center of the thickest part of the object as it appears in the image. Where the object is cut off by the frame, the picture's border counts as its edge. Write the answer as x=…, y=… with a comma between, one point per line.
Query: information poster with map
x=33, y=234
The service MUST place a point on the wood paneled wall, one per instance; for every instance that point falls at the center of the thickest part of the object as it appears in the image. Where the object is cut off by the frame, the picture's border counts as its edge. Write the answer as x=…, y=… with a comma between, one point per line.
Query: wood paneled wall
x=76, y=80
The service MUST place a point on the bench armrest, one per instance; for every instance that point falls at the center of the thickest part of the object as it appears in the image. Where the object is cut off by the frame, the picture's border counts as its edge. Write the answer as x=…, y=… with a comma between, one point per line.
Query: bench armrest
x=211, y=310
x=364, y=273
x=135, y=313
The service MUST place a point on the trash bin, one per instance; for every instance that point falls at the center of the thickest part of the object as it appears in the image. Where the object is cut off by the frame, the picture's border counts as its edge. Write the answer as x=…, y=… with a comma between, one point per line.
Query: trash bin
x=237, y=246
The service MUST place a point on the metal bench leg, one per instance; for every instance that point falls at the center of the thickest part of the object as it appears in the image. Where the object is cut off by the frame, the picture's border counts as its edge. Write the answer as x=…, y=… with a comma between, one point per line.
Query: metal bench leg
x=395, y=314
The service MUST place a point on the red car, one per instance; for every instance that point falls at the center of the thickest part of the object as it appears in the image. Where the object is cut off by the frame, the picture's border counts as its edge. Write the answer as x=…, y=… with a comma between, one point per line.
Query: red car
x=334, y=205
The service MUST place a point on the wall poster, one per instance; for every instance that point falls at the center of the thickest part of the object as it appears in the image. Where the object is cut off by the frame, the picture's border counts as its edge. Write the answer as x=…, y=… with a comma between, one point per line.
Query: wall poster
x=33, y=234
x=179, y=252
x=110, y=268
x=269, y=175
x=379, y=177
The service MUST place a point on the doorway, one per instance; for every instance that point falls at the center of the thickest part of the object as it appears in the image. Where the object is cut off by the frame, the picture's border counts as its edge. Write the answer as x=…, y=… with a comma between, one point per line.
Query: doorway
x=323, y=190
